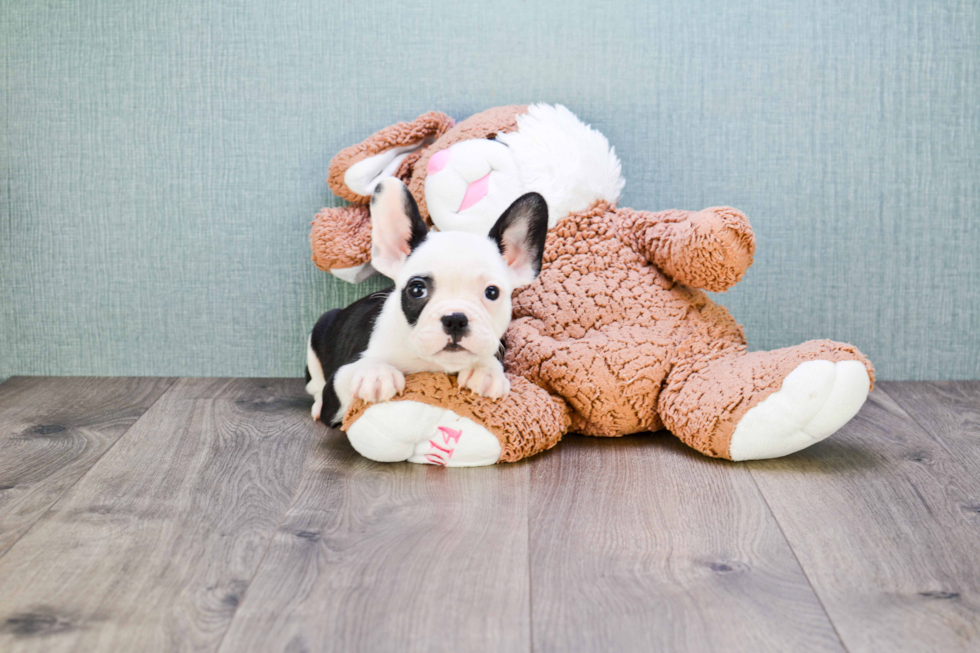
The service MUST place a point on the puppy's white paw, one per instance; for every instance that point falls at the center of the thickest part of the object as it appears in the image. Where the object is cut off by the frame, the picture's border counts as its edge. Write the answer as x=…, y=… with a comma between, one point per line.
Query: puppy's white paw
x=317, y=407
x=376, y=382
x=487, y=382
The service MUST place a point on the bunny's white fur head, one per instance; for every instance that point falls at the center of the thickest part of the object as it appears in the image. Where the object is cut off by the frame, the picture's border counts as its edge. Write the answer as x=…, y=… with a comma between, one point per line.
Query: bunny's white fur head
x=552, y=153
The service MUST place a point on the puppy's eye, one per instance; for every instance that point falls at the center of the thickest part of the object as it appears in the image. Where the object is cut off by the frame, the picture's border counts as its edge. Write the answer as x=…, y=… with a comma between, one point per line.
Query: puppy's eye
x=492, y=292
x=417, y=289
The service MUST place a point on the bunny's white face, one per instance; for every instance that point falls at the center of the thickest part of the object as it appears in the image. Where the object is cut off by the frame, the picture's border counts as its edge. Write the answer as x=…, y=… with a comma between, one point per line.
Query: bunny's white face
x=470, y=184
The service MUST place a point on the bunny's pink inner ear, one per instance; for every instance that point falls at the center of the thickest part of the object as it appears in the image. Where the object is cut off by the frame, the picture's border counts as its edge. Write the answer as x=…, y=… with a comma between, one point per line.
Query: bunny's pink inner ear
x=356, y=170
x=363, y=176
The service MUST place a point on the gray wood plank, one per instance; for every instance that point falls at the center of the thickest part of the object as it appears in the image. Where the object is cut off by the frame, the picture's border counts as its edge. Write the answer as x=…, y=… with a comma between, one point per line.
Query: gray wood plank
x=155, y=546
x=884, y=521
x=640, y=544
x=948, y=411
x=393, y=557
x=52, y=430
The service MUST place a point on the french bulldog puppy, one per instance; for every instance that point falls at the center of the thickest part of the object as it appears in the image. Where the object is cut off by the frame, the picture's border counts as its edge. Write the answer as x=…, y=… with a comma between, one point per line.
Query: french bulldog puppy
x=447, y=311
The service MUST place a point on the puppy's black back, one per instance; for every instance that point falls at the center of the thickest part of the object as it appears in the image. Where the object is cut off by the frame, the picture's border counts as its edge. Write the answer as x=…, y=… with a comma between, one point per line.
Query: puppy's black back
x=340, y=337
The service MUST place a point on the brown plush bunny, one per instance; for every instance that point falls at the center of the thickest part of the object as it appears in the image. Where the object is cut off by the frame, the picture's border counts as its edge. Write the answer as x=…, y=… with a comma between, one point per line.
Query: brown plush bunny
x=614, y=337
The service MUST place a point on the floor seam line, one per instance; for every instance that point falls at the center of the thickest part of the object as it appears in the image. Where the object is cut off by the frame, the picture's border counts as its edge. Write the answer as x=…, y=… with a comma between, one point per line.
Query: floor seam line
x=799, y=564
x=530, y=584
x=90, y=468
x=265, y=554
x=929, y=434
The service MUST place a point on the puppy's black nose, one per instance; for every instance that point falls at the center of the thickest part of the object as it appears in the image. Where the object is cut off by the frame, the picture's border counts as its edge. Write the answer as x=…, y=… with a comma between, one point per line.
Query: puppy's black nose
x=454, y=325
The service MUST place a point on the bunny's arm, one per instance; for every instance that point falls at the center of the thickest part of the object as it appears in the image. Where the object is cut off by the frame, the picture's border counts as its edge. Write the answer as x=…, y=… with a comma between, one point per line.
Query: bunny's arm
x=341, y=237
x=709, y=249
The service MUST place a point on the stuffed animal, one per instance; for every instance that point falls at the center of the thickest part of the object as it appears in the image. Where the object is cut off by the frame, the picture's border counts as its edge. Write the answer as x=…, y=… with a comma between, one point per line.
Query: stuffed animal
x=616, y=336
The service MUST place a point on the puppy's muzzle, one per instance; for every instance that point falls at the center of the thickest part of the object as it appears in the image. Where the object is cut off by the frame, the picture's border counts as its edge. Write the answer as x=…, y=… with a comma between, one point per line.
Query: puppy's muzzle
x=456, y=325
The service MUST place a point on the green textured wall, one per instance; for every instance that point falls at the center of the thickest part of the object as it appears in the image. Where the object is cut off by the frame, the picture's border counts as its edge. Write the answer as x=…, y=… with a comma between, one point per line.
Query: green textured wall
x=162, y=160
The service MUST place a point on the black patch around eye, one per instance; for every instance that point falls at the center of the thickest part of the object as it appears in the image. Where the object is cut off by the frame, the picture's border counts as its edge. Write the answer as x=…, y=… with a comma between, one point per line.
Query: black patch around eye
x=412, y=307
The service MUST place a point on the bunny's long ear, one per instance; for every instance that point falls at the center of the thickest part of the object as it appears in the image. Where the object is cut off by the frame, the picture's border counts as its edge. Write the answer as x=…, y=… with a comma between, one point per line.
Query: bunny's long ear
x=355, y=171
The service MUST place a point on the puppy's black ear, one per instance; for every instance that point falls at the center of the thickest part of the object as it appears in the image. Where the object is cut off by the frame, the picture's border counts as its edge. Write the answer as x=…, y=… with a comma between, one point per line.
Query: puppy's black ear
x=520, y=234
x=396, y=226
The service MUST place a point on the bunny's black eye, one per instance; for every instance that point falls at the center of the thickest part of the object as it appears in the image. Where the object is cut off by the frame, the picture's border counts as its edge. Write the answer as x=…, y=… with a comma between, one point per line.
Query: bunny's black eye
x=417, y=289
x=492, y=292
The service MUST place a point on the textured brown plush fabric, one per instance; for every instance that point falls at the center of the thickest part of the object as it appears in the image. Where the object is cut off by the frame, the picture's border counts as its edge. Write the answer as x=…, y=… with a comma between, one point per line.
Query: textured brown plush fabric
x=526, y=422
x=619, y=339
x=341, y=237
x=429, y=125
x=710, y=249
x=600, y=325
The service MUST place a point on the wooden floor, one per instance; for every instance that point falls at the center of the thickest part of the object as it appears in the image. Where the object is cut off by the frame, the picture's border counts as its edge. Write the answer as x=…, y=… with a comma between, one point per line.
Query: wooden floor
x=214, y=515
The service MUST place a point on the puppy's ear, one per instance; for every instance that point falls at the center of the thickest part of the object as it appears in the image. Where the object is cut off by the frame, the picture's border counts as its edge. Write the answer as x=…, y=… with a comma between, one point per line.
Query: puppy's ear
x=396, y=226
x=520, y=234
x=355, y=171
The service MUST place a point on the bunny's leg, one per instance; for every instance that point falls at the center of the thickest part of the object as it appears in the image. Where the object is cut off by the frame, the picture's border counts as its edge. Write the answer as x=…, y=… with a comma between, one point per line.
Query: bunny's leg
x=746, y=406
x=436, y=422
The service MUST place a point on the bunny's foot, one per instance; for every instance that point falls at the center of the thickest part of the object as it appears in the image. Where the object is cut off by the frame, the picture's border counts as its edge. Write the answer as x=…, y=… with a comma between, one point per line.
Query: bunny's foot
x=815, y=399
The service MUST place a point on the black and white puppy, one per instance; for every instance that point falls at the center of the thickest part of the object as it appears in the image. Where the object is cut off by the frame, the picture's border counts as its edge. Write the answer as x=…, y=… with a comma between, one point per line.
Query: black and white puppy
x=447, y=311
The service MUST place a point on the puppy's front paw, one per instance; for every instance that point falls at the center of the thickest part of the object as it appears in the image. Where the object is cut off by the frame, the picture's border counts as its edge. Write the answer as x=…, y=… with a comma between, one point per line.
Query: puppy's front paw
x=377, y=382
x=485, y=381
